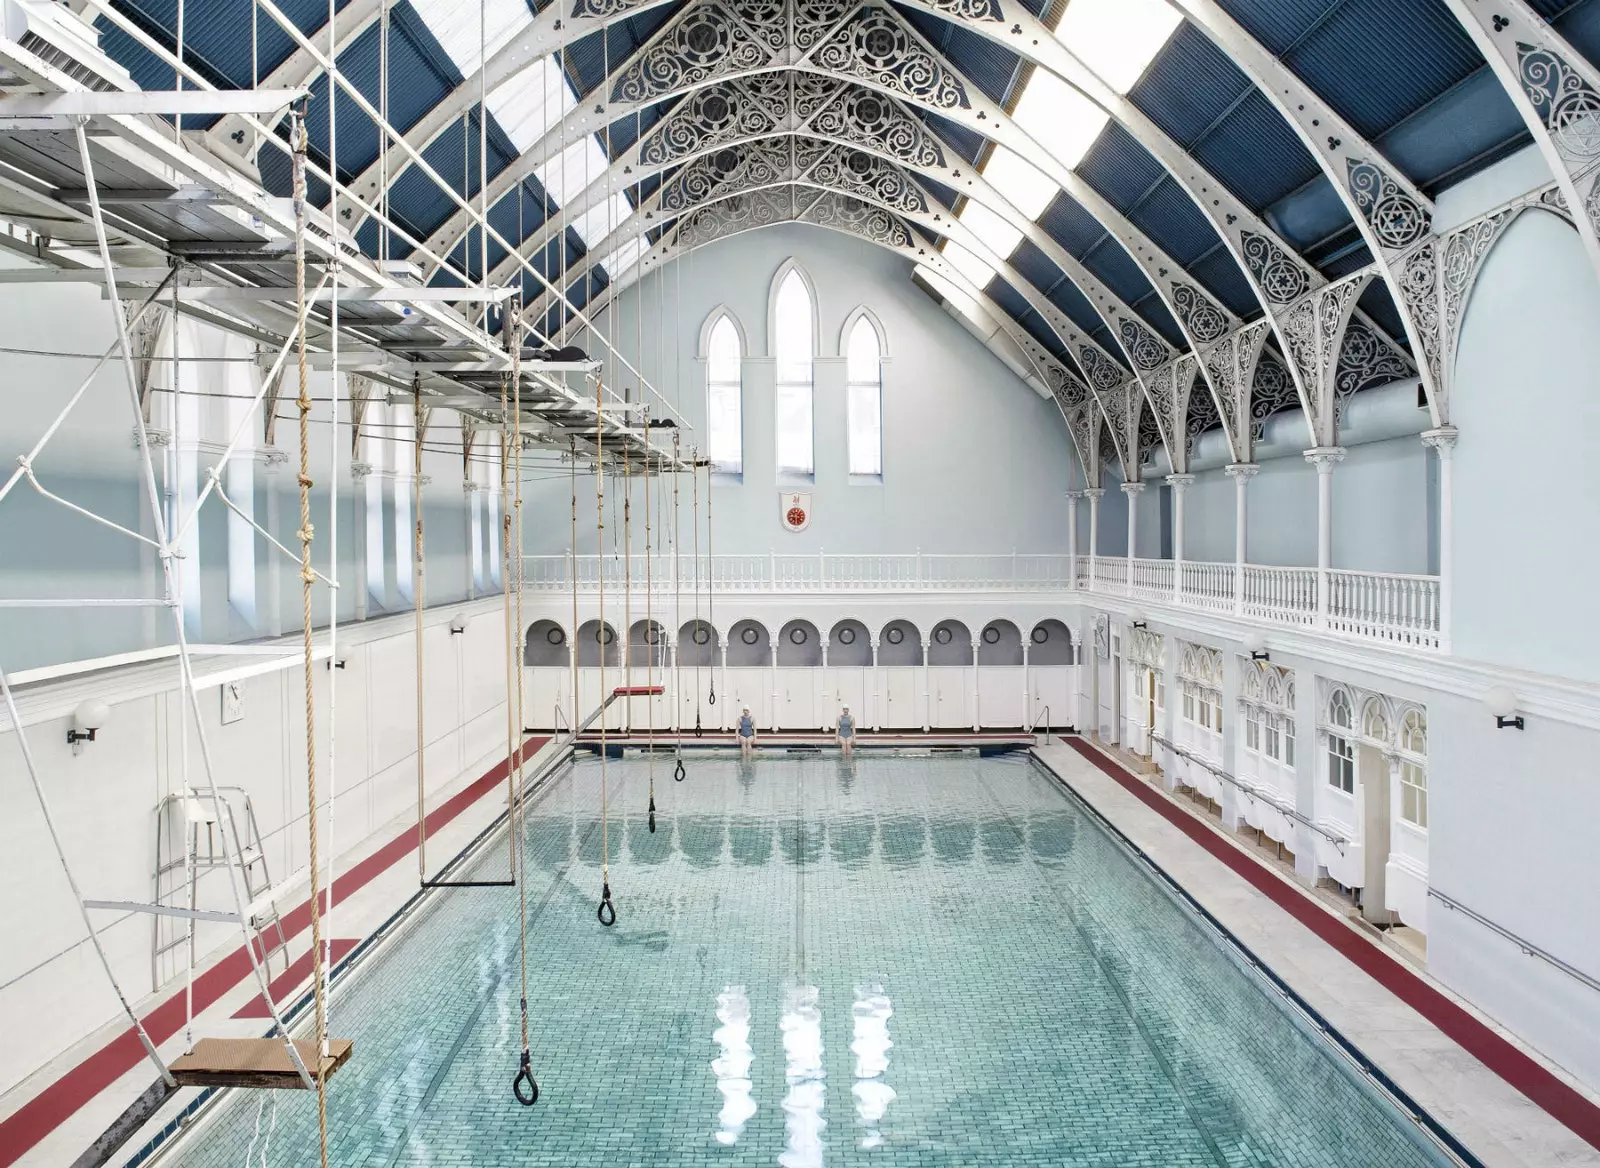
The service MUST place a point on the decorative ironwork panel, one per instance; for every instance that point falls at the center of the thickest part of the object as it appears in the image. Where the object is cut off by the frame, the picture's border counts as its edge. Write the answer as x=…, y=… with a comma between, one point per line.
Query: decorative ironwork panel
x=1366, y=359
x=871, y=119
x=739, y=213
x=706, y=43
x=857, y=172
x=1566, y=103
x=1272, y=390
x=726, y=171
x=1202, y=319
x=864, y=219
x=1282, y=278
x=601, y=8
x=1396, y=219
x=1144, y=348
x=878, y=47
x=1103, y=373
x=721, y=113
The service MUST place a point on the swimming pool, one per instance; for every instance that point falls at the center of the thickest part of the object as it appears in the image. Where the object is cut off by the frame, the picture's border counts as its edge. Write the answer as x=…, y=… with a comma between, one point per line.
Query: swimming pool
x=903, y=961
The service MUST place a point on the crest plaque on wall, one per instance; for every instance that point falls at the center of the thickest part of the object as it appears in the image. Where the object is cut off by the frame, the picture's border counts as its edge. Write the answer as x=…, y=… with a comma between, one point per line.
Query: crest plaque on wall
x=794, y=509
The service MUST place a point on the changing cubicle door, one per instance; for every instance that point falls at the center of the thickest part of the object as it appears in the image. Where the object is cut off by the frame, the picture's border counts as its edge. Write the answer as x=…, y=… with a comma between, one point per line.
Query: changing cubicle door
x=1051, y=701
x=1001, y=699
x=900, y=691
x=847, y=686
x=547, y=697
x=949, y=697
x=797, y=697
x=747, y=687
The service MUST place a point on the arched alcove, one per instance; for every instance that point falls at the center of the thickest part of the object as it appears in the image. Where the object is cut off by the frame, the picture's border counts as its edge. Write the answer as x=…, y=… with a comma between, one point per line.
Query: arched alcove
x=899, y=644
x=748, y=645
x=591, y=635
x=1000, y=644
x=799, y=644
x=1050, y=643
x=950, y=644
x=545, y=645
x=697, y=645
x=647, y=645
x=849, y=644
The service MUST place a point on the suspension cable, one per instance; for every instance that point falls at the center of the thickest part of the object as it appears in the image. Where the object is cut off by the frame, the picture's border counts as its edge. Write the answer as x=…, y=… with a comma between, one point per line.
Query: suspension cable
x=607, y=912
x=650, y=630
x=711, y=580
x=694, y=480
x=525, y=1087
x=677, y=614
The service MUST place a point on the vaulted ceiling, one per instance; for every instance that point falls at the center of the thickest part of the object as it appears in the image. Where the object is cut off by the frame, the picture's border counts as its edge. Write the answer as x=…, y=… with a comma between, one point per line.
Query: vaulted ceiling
x=1121, y=181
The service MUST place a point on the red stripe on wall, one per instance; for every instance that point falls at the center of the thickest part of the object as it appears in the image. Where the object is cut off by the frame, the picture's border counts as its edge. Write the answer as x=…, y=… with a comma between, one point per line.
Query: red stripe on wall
x=46, y=1111
x=1562, y=1102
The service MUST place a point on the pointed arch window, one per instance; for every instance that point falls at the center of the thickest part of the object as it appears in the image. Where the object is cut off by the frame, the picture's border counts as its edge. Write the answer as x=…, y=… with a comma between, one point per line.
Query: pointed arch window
x=794, y=335
x=725, y=398
x=864, y=365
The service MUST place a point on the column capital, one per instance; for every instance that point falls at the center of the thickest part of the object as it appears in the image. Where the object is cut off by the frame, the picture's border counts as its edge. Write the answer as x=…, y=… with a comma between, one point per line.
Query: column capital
x=360, y=470
x=1074, y=496
x=1179, y=481
x=1244, y=471
x=1093, y=494
x=1132, y=488
x=1442, y=439
x=1325, y=458
x=272, y=458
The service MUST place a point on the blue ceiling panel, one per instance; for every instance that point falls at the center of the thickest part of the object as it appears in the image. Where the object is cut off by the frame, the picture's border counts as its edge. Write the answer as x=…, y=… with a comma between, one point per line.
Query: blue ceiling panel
x=1189, y=86
x=1170, y=218
x=1379, y=305
x=588, y=61
x=1223, y=278
x=1156, y=315
x=1119, y=168
x=1255, y=153
x=1310, y=214
x=1037, y=267
x=1460, y=133
x=216, y=38
x=959, y=141
x=1116, y=270
x=990, y=66
x=1071, y=226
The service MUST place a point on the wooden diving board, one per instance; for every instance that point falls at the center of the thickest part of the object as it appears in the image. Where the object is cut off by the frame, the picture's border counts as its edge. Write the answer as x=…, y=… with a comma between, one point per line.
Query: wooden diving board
x=638, y=691
x=254, y=1062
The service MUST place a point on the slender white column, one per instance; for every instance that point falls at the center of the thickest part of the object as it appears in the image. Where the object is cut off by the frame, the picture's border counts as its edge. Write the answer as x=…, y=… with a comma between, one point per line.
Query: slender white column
x=1133, y=491
x=1027, y=690
x=826, y=710
x=976, y=649
x=927, y=688
x=1180, y=484
x=1241, y=473
x=1443, y=441
x=1093, y=495
x=877, y=690
x=358, y=487
x=774, y=721
x=270, y=606
x=1072, y=537
x=1324, y=458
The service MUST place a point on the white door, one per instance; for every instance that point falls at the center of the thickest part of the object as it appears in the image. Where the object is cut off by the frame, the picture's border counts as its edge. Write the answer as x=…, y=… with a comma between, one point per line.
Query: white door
x=1000, y=696
x=797, y=693
x=900, y=687
x=1050, y=696
x=747, y=686
x=948, y=687
x=847, y=686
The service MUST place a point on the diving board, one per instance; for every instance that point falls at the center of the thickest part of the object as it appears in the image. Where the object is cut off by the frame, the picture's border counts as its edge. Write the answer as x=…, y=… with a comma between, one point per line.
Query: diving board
x=253, y=1062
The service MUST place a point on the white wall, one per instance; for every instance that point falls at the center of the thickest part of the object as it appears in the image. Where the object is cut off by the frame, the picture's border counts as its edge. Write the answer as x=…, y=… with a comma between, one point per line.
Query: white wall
x=52, y=989
x=974, y=460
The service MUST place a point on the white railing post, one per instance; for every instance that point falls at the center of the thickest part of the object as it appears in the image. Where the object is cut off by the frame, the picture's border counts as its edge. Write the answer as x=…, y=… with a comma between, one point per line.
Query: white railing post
x=822, y=570
x=1133, y=491
x=1093, y=494
x=772, y=571
x=1443, y=441
x=1072, y=537
x=1241, y=473
x=1324, y=458
x=919, y=568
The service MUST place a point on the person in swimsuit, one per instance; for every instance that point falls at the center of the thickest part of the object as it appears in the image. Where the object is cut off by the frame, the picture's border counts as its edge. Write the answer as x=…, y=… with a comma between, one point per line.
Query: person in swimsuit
x=846, y=732
x=747, y=733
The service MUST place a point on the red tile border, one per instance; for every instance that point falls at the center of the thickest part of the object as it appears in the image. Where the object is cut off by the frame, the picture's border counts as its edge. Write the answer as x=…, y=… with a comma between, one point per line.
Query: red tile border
x=46, y=1111
x=1561, y=1101
x=298, y=972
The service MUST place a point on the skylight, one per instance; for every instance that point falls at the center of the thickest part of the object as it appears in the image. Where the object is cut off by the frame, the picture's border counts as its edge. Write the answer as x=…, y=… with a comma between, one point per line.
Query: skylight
x=961, y=301
x=1117, y=38
x=1058, y=117
x=1019, y=183
x=463, y=26
x=532, y=103
x=968, y=264
x=992, y=231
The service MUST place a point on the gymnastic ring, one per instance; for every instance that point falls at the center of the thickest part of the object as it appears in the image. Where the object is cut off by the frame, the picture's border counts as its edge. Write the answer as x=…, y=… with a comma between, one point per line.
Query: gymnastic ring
x=525, y=1075
x=652, y=814
x=678, y=771
x=698, y=732
x=711, y=698
x=607, y=913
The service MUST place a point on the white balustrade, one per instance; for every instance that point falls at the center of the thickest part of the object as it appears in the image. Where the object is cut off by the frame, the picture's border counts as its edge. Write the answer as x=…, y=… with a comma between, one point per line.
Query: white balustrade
x=1396, y=609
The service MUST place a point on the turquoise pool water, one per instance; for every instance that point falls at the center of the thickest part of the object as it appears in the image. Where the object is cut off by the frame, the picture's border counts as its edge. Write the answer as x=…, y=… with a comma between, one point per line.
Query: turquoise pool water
x=906, y=961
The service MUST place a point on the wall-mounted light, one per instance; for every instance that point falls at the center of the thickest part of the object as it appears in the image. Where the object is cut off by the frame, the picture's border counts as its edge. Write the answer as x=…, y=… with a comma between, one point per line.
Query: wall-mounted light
x=458, y=625
x=335, y=662
x=1136, y=621
x=1256, y=645
x=86, y=719
x=1502, y=703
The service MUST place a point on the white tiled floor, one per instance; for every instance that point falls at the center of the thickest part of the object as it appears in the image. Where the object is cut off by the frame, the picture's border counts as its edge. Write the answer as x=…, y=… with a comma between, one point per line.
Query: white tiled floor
x=1498, y=1123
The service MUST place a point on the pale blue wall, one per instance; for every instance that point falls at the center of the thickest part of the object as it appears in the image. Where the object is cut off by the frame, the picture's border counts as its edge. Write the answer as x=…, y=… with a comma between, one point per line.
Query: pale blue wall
x=974, y=460
x=1527, y=403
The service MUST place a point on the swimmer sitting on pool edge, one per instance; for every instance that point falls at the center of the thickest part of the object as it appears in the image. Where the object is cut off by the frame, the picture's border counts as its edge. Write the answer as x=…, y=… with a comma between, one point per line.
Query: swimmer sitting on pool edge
x=746, y=732
x=845, y=733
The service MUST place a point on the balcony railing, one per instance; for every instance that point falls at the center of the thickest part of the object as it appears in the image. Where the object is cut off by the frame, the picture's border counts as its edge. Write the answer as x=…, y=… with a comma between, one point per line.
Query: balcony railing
x=1373, y=606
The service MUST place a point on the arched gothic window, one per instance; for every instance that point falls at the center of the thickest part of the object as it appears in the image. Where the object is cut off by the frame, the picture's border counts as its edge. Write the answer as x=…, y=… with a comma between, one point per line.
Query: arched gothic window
x=1341, y=751
x=794, y=341
x=863, y=362
x=1414, y=768
x=724, y=398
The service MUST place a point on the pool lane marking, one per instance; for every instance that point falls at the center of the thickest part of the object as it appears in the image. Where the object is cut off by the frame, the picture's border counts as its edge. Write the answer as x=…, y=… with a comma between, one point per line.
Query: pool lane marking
x=1120, y=991
x=1559, y=1100
x=56, y=1103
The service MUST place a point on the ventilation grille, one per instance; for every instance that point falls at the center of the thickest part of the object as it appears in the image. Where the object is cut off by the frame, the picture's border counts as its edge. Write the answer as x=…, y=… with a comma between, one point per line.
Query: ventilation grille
x=65, y=62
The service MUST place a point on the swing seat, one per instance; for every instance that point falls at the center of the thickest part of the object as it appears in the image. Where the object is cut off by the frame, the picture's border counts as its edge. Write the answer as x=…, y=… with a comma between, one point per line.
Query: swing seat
x=638, y=691
x=254, y=1062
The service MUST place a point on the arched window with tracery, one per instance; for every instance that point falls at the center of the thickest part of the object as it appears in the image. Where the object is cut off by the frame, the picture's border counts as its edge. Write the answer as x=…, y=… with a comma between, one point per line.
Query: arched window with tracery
x=864, y=367
x=1413, y=751
x=1341, y=751
x=794, y=343
x=725, y=397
